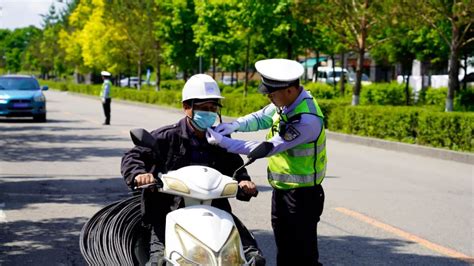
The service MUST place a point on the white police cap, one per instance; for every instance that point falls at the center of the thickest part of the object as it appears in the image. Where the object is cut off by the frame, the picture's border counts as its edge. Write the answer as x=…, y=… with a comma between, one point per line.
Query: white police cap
x=278, y=73
x=105, y=74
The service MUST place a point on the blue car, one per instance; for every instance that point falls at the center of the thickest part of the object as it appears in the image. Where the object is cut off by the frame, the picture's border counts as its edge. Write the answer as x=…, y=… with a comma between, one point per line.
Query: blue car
x=21, y=96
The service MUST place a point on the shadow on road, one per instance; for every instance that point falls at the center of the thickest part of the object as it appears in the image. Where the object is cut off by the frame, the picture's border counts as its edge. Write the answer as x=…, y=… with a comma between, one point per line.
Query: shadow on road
x=16, y=154
x=355, y=250
x=40, y=243
x=18, y=146
x=98, y=192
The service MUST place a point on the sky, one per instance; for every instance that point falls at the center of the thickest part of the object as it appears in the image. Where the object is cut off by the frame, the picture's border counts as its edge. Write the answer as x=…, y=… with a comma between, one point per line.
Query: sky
x=22, y=13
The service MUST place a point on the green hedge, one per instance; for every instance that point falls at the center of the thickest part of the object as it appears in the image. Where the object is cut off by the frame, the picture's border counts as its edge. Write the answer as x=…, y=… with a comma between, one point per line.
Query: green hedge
x=425, y=126
x=448, y=130
x=384, y=94
x=406, y=124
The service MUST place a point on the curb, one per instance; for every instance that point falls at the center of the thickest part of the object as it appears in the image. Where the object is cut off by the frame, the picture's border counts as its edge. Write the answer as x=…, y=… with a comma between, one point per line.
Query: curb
x=462, y=157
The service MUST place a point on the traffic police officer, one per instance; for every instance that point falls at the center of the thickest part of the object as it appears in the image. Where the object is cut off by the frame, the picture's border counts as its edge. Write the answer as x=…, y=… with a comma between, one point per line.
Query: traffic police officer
x=105, y=96
x=297, y=163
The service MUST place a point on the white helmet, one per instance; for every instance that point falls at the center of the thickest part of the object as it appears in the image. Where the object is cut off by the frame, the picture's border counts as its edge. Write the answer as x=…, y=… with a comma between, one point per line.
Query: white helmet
x=201, y=86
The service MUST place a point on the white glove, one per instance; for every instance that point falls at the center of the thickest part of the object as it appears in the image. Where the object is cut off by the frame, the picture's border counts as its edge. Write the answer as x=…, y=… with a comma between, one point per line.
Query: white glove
x=213, y=137
x=227, y=128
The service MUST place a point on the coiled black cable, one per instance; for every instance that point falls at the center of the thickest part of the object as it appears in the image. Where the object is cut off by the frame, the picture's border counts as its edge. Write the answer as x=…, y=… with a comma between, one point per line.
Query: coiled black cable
x=109, y=237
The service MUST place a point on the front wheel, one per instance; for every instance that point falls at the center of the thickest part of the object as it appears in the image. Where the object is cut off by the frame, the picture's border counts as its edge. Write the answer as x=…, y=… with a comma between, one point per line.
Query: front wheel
x=39, y=118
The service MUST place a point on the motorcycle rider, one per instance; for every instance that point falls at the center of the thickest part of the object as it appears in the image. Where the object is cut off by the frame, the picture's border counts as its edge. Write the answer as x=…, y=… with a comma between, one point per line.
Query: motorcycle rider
x=181, y=144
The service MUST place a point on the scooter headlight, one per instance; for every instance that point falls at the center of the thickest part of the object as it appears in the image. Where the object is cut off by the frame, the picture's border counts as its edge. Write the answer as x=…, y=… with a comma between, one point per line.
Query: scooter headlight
x=230, y=189
x=230, y=252
x=175, y=184
x=193, y=250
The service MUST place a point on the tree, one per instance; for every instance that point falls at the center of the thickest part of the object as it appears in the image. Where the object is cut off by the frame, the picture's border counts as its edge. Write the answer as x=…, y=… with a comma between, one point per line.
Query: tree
x=14, y=44
x=356, y=22
x=133, y=22
x=212, y=31
x=459, y=15
x=176, y=30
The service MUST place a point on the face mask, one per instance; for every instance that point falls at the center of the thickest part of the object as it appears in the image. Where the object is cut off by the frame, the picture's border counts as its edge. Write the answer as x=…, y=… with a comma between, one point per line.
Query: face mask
x=204, y=119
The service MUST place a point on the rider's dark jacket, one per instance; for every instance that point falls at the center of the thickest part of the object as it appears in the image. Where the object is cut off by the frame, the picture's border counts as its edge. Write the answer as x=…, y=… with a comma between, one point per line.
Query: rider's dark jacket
x=178, y=147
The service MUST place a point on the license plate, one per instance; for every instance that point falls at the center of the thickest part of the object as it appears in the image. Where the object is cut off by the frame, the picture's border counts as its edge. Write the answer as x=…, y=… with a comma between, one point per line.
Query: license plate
x=20, y=105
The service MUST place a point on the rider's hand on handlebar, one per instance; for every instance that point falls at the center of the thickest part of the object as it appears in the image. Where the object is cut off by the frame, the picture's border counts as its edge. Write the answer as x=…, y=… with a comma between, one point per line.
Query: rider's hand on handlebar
x=248, y=187
x=144, y=179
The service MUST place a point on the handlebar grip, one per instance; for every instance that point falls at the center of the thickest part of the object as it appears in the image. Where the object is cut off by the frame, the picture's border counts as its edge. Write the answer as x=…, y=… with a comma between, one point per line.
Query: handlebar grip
x=157, y=184
x=255, y=194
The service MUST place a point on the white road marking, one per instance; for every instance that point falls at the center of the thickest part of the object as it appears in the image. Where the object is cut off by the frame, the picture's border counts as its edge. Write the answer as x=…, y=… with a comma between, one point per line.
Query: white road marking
x=3, y=217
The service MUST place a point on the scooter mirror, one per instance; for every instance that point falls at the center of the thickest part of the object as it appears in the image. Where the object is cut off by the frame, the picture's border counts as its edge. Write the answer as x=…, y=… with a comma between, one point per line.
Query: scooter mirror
x=260, y=151
x=143, y=138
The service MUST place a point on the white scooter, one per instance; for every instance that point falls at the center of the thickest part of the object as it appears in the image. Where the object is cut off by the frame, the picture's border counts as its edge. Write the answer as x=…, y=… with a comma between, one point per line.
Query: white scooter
x=200, y=234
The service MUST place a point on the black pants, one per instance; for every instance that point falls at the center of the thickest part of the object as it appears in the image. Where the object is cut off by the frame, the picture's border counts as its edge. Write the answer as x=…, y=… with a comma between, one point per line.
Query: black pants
x=106, y=106
x=295, y=215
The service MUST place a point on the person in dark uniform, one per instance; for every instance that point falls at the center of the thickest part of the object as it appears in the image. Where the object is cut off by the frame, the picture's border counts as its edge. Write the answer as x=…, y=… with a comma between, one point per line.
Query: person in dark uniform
x=183, y=144
x=297, y=162
x=105, y=96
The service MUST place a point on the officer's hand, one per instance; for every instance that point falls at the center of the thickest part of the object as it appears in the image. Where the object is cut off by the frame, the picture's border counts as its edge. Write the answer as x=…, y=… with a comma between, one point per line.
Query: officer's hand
x=227, y=128
x=248, y=187
x=213, y=137
x=144, y=179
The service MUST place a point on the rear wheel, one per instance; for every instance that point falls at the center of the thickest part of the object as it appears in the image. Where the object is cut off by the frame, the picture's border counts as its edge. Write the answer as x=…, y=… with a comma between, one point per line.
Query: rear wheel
x=39, y=118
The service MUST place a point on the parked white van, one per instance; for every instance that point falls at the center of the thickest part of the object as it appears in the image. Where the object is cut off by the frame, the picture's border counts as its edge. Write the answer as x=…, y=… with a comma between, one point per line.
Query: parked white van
x=330, y=74
x=325, y=74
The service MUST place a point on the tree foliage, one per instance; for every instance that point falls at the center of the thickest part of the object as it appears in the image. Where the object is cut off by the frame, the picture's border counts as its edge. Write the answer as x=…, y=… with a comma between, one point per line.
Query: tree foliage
x=190, y=36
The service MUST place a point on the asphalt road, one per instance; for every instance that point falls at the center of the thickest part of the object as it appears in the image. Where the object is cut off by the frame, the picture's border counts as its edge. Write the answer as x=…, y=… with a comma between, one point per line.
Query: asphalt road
x=382, y=207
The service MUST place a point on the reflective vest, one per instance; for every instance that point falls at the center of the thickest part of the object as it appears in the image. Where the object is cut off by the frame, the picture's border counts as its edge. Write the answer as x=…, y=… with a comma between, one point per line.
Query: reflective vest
x=105, y=92
x=303, y=165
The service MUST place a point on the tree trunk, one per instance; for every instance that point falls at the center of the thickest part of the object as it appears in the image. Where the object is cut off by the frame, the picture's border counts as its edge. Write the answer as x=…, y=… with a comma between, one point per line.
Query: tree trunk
x=360, y=59
x=289, y=47
x=422, y=74
x=158, y=66
x=306, y=65
x=358, y=81
x=343, y=76
x=464, y=82
x=139, y=73
x=453, y=72
x=333, y=72
x=247, y=58
x=407, y=89
x=158, y=75
x=315, y=67
x=213, y=65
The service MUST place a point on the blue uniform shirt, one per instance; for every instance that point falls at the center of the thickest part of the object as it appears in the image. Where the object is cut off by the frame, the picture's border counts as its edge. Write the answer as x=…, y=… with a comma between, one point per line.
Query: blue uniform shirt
x=309, y=127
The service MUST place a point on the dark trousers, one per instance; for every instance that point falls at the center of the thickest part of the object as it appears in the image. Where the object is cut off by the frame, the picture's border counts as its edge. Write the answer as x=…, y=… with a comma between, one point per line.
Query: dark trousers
x=295, y=215
x=106, y=106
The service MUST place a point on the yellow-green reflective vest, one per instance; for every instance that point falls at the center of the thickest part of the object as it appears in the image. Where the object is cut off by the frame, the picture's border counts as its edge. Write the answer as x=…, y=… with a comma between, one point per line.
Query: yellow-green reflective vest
x=303, y=165
x=105, y=93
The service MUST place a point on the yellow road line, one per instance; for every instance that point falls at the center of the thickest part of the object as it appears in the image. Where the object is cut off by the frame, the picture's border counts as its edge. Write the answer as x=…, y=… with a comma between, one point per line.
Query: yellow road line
x=423, y=242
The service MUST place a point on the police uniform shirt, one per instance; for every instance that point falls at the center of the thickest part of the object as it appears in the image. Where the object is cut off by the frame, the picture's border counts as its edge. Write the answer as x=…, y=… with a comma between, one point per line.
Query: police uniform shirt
x=305, y=130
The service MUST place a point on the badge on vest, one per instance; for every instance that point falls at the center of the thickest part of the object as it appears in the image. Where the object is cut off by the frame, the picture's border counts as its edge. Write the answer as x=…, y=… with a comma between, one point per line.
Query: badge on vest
x=291, y=133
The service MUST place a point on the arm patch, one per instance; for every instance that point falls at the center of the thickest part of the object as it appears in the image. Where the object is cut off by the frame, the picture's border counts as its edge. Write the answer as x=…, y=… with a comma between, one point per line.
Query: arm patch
x=291, y=133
